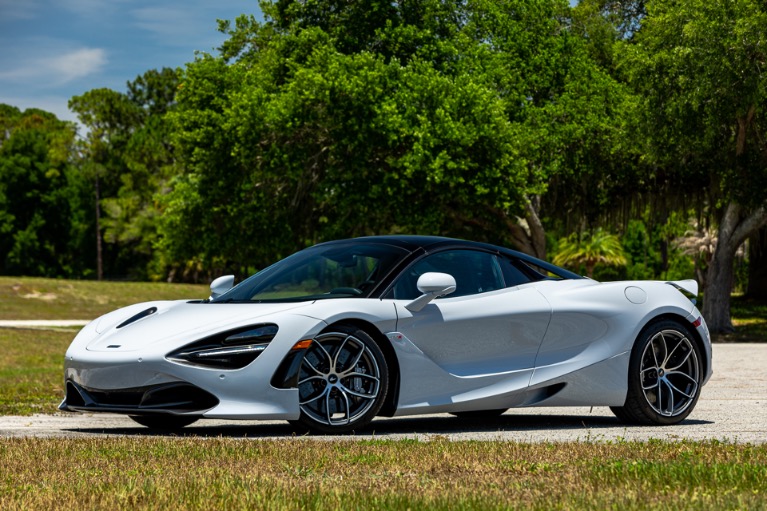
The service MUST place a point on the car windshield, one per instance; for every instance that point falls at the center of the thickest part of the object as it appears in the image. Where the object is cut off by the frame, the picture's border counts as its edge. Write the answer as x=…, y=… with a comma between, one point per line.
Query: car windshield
x=347, y=270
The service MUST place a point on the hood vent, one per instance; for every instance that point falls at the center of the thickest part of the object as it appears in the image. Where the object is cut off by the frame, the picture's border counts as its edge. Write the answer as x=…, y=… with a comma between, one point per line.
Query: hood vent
x=140, y=315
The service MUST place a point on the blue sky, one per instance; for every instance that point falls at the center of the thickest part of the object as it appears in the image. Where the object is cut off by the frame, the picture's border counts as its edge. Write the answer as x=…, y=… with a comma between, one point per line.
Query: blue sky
x=55, y=49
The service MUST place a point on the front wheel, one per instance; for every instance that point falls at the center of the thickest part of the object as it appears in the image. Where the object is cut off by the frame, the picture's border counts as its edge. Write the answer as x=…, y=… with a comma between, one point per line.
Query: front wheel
x=664, y=376
x=343, y=381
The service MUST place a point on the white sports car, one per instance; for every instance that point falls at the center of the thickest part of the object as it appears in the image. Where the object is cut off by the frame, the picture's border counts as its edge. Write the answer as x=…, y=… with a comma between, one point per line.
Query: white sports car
x=341, y=332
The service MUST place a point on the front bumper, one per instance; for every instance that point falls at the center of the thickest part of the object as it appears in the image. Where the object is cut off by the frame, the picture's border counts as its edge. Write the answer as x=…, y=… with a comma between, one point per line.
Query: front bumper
x=145, y=382
x=169, y=398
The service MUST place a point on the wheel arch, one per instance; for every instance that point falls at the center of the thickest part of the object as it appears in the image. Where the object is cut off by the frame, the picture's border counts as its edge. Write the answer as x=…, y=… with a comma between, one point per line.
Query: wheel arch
x=682, y=320
x=392, y=396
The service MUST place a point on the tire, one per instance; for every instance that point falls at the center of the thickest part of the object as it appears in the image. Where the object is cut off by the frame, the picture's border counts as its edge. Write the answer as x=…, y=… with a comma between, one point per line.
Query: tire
x=480, y=414
x=665, y=373
x=165, y=422
x=342, y=383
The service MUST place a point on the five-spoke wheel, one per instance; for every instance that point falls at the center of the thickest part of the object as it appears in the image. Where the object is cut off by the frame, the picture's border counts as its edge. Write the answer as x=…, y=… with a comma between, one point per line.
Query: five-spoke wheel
x=343, y=381
x=664, y=376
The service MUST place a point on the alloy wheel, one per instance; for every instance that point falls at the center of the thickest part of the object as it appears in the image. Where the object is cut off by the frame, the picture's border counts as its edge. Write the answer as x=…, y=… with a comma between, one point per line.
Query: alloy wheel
x=669, y=373
x=339, y=381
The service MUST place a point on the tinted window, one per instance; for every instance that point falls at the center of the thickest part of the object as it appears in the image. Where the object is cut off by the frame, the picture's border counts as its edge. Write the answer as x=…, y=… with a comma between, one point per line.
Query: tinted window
x=326, y=271
x=512, y=275
x=474, y=272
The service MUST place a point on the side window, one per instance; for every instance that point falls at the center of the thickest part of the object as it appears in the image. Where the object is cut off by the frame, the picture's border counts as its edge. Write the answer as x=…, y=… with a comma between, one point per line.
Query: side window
x=474, y=272
x=512, y=275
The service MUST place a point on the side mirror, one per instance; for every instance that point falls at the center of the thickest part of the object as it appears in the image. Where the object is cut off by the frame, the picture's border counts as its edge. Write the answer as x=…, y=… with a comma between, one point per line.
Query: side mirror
x=221, y=285
x=432, y=285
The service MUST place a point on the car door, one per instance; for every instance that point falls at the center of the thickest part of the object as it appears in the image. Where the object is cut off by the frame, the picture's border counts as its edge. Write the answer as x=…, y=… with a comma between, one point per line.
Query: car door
x=482, y=334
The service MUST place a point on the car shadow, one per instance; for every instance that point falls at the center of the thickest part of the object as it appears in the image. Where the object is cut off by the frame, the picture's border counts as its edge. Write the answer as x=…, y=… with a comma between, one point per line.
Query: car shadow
x=403, y=426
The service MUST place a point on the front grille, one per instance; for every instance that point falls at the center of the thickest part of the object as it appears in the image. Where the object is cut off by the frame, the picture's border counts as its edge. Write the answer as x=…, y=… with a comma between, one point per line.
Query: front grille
x=178, y=397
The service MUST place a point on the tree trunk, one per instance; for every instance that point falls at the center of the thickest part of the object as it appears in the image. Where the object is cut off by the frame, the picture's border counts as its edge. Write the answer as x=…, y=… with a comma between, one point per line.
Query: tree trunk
x=530, y=238
x=99, y=257
x=757, y=265
x=734, y=228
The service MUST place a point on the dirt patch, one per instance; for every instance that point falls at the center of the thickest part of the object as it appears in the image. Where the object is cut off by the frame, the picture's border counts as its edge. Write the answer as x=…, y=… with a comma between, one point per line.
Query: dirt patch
x=36, y=295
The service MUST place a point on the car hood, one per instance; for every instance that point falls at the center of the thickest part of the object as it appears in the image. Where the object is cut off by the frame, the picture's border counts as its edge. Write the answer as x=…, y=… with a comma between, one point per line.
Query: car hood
x=189, y=320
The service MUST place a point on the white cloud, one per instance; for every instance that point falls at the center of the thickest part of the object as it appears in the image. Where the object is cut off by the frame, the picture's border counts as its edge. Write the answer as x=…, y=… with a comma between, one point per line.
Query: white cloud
x=78, y=63
x=60, y=68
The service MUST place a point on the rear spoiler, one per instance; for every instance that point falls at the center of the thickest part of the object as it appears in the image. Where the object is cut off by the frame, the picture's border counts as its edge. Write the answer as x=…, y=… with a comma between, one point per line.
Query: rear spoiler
x=685, y=285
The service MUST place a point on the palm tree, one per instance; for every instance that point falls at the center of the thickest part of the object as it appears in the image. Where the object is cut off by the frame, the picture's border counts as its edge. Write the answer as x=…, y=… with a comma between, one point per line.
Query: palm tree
x=598, y=247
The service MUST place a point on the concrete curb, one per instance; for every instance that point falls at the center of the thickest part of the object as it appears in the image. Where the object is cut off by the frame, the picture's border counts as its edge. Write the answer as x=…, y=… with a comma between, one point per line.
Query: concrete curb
x=42, y=323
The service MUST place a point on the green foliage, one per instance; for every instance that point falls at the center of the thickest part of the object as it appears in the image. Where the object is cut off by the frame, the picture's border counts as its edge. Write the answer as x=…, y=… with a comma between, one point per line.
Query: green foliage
x=589, y=250
x=333, y=120
x=697, y=65
x=128, y=157
x=42, y=230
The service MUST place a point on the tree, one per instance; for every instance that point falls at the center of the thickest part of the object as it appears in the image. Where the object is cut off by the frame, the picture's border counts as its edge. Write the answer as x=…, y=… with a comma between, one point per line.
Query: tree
x=128, y=157
x=337, y=119
x=110, y=119
x=42, y=220
x=697, y=65
x=591, y=250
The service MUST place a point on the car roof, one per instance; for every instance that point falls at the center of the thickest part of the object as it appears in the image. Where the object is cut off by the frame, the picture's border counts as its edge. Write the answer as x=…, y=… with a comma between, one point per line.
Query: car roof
x=411, y=243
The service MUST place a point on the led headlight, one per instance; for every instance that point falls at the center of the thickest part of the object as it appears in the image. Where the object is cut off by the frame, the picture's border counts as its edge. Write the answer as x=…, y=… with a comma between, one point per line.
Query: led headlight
x=233, y=349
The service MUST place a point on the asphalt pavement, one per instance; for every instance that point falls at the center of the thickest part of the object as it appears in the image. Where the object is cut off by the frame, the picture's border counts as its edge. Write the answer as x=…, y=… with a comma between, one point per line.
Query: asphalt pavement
x=732, y=408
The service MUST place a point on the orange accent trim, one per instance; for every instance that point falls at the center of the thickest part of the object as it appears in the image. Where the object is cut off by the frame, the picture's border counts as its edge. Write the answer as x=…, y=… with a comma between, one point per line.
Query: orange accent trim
x=302, y=345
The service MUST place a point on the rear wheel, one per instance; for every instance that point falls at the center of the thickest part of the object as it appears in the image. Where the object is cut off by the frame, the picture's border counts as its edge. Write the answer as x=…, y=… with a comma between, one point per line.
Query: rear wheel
x=165, y=422
x=343, y=381
x=664, y=376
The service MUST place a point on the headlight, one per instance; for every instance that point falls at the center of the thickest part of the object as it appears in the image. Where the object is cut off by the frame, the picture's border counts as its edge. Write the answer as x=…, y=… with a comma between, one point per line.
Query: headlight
x=233, y=349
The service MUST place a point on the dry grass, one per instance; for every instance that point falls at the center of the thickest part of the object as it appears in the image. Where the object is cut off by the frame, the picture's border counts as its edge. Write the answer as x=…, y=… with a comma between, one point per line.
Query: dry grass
x=187, y=473
x=37, y=298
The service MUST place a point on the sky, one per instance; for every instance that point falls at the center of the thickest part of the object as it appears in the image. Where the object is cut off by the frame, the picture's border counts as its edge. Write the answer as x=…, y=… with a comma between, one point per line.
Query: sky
x=51, y=50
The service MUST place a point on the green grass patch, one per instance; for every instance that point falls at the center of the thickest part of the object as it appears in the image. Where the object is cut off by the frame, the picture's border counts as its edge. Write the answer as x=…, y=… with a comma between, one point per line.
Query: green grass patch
x=219, y=473
x=37, y=298
x=32, y=370
x=749, y=317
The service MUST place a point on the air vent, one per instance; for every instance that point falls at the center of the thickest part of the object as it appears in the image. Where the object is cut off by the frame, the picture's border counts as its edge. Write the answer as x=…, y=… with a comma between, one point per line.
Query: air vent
x=140, y=315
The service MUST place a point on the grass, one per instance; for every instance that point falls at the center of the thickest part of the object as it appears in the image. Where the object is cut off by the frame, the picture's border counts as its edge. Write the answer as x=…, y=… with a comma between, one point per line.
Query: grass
x=749, y=317
x=217, y=473
x=32, y=370
x=37, y=298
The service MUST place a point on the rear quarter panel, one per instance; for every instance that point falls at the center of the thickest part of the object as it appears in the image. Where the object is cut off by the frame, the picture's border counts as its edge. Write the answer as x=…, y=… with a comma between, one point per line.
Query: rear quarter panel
x=592, y=330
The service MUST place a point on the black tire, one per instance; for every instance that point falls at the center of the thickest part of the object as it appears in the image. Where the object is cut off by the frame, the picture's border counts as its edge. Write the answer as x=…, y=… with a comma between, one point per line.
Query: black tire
x=480, y=414
x=165, y=422
x=342, y=383
x=665, y=373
